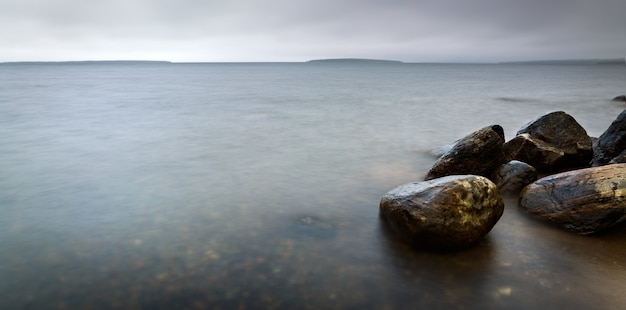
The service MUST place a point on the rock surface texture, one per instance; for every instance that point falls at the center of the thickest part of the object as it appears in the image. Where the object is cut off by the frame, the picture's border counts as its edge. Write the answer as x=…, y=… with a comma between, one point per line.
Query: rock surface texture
x=539, y=154
x=479, y=153
x=611, y=143
x=561, y=131
x=448, y=213
x=584, y=201
x=513, y=176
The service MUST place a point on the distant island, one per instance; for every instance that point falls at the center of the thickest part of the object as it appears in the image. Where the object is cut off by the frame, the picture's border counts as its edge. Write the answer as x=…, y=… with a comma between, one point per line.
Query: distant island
x=80, y=62
x=355, y=61
x=568, y=62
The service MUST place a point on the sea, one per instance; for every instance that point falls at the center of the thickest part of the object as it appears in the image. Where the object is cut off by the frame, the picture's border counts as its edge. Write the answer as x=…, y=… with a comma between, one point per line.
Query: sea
x=140, y=185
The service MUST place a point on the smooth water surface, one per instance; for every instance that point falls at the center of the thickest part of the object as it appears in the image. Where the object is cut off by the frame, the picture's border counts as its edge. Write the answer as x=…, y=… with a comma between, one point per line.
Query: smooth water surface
x=257, y=186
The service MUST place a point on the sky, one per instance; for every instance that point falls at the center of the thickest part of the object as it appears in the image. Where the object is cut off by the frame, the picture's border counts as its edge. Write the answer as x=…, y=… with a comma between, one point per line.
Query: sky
x=300, y=30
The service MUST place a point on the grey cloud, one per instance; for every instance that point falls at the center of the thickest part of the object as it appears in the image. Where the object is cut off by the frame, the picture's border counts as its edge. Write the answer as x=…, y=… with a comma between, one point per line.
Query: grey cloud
x=413, y=30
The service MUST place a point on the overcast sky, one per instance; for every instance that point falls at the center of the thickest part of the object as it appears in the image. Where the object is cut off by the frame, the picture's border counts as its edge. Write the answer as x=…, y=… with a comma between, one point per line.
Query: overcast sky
x=299, y=30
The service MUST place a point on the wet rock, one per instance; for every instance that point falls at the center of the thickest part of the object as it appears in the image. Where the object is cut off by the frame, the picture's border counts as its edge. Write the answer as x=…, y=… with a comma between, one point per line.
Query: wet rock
x=513, y=176
x=563, y=132
x=479, y=153
x=621, y=98
x=621, y=158
x=611, y=143
x=584, y=201
x=448, y=213
x=537, y=153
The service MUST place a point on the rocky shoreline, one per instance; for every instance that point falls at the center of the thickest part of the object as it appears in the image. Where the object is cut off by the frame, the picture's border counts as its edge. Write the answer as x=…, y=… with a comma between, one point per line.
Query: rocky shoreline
x=560, y=174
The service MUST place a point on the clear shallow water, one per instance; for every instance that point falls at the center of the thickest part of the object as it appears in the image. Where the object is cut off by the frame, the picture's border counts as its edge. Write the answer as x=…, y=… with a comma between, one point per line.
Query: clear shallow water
x=257, y=185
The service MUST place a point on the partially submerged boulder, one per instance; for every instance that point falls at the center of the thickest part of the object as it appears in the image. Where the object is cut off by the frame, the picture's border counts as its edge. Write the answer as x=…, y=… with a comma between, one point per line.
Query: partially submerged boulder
x=537, y=153
x=479, y=153
x=513, y=176
x=611, y=143
x=448, y=213
x=620, y=98
x=563, y=132
x=584, y=201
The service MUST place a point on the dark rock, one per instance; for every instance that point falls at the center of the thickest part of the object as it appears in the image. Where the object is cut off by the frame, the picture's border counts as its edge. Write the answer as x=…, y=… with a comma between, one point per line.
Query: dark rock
x=447, y=213
x=479, y=153
x=621, y=158
x=537, y=153
x=584, y=201
x=611, y=143
x=513, y=176
x=562, y=131
x=621, y=98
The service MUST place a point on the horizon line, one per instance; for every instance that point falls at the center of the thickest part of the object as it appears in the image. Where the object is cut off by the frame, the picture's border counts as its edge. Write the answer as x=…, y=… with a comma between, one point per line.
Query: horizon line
x=329, y=60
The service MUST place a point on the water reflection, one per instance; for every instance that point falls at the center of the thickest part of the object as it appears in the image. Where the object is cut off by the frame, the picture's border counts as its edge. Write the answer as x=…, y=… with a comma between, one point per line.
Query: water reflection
x=443, y=279
x=521, y=264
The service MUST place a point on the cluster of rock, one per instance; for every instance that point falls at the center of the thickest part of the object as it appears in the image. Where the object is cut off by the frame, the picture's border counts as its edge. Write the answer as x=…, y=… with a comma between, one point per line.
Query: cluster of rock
x=583, y=188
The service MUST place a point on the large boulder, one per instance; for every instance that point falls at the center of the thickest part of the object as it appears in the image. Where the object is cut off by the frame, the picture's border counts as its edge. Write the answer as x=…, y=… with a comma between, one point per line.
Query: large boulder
x=513, y=176
x=479, y=153
x=611, y=143
x=584, y=201
x=537, y=153
x=563, y=132
x=448, y=213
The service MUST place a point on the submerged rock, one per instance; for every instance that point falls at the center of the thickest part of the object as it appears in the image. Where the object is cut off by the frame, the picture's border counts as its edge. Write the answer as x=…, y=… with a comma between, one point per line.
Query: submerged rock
x=448, y=213
x=314, y=227
x=479, y=153
x=584, y=201
x=611, y=143
x=563, y=132
x=513, y=176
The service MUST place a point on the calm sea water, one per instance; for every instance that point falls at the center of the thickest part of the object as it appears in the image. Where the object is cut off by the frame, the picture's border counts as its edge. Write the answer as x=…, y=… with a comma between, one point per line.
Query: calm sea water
x=257, y=186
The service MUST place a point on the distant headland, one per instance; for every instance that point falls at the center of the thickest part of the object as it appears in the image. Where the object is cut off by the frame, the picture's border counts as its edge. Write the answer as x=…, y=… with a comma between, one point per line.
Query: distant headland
x=612, y=61
x=90, y=62
x=355, y=61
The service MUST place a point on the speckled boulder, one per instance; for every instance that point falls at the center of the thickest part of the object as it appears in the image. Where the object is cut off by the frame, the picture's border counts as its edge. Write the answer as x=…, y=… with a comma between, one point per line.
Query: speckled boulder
x=584, y=201
x=447, y=213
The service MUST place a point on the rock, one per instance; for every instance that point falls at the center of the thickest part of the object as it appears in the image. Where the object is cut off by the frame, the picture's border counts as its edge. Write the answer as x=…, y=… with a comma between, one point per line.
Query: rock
x=561, y=130
x=537, y=153
x=621, y=158
x=448, y=213
x=621, y=98
x=584, y=201
x=611, y=143
x=479, y=153
x=313, y=227
x=513, y=176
